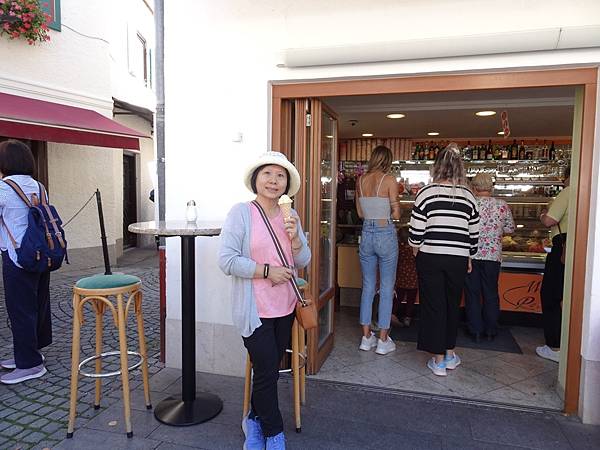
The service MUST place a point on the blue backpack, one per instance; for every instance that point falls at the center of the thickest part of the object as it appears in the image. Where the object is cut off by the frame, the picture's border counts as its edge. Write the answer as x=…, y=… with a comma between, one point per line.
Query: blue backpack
x=44, y=246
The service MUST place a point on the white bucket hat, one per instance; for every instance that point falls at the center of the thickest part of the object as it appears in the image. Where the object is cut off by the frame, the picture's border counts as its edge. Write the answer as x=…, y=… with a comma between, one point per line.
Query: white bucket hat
x=278, y=159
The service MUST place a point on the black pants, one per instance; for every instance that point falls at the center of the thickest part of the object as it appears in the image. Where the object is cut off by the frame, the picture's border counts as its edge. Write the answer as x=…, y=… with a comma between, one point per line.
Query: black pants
x=27, y=297
x=552, y=292
x=266, y=347
x=482, y=282
x=441, y=281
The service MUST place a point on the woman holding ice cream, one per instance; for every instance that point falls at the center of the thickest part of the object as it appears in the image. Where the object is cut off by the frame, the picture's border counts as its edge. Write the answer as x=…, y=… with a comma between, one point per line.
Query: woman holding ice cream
x=263, y=298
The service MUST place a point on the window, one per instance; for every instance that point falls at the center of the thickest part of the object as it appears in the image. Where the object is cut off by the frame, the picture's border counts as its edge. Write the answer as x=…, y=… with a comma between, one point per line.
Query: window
x=138, y=59
x=52, y=7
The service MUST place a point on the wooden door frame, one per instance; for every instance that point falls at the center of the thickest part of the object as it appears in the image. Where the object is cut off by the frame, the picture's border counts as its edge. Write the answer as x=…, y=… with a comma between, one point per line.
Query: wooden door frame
x=586, y=77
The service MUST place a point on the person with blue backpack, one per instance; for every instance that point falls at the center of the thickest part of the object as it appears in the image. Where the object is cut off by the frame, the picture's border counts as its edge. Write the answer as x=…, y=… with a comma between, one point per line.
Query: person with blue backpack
x=32, y=244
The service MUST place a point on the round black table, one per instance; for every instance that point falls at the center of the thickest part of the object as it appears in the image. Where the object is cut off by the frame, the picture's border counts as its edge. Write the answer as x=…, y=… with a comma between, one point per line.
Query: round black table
x=190, y=407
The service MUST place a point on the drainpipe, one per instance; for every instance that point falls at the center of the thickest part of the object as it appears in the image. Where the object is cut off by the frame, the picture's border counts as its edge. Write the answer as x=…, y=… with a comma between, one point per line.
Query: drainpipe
x=159, y=127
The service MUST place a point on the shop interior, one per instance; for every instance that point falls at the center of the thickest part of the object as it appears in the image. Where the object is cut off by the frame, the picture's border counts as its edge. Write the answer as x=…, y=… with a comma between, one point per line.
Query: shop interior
x=528, y=166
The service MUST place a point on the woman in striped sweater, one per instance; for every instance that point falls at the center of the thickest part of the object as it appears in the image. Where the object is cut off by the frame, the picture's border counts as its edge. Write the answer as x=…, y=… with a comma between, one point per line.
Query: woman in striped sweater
x=444, y=233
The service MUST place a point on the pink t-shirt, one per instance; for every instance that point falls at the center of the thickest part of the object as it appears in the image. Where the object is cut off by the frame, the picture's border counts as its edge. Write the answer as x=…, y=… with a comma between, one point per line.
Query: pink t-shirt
x=271, y=301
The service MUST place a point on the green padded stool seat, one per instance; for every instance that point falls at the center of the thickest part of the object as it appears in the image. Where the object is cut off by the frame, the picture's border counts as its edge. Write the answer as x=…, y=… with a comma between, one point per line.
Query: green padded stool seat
x=107, y=281
x=301, y=282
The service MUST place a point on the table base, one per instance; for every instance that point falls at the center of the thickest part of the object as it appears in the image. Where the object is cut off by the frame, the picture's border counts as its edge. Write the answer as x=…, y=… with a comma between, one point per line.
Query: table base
x=174, y=411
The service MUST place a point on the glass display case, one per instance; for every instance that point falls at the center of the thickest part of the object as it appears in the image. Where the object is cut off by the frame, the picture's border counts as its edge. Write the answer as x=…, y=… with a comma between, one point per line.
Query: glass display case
x=528, y=186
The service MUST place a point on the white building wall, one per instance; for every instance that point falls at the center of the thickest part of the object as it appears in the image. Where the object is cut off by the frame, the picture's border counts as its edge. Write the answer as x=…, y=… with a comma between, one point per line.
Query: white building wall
x=134, y=17
x=223, y=88
x=85, y=65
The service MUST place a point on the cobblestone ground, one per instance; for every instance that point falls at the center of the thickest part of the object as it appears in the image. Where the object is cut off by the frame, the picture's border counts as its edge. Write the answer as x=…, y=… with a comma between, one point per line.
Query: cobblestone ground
x=34, y=414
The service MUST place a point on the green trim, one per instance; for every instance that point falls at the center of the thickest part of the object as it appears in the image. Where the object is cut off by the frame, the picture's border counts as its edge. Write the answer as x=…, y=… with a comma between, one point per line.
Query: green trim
x=55, y=24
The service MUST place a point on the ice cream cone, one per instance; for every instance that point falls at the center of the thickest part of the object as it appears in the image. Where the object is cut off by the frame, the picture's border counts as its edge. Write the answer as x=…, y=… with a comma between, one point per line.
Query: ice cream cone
x=285, y=204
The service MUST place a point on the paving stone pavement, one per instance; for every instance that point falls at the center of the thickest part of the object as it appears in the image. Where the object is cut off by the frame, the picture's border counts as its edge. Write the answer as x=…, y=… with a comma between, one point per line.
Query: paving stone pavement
x=34, y=414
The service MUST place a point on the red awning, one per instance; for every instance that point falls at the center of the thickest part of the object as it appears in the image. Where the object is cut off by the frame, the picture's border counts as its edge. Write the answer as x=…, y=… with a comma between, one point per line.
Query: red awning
x=26, y=118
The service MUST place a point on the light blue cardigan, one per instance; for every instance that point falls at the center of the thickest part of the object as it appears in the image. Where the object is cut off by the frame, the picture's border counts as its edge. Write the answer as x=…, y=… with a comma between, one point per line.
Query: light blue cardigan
x=234, y=260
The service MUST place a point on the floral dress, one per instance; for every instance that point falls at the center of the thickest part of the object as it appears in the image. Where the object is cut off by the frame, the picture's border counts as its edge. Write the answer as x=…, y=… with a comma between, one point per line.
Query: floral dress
x=495, y=219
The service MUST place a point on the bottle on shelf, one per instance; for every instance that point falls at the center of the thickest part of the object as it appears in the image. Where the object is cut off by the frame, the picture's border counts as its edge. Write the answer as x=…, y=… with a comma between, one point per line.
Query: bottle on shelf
x=436, y=150
x=514, y=150
x=552, y=153
x=482, y=152
x=505, y=152
x=489, y=154
x=522, y=151
x=497, y=152
x=431, y=152
x=415, y=153
x=545, y=151
x=468, y=152
x=422, y=152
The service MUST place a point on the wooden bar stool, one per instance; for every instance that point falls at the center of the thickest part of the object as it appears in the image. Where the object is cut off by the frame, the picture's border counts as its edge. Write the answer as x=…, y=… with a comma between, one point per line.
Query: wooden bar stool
x=97, y=290
x=298, y=370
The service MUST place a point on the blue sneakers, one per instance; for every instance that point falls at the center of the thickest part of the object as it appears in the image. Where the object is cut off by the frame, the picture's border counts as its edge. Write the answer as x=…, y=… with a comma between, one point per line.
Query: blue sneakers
x=437, y=369
x=276, y=442
x=253, y=432
x=452, y=363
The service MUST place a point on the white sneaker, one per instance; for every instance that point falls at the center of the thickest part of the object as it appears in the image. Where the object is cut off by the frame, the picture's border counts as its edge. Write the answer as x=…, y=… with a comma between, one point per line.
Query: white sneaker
x=547, y=353
x=367, y=344
x=437, y=369
x=385, y=347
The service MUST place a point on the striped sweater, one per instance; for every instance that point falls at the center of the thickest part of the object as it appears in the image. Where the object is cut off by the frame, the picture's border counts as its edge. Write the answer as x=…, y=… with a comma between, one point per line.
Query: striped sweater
x=445, y=220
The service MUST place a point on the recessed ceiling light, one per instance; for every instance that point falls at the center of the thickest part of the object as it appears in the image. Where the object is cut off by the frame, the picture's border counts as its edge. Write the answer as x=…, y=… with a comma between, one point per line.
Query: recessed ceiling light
x=396, y=116
x=501, y=133
x=485, y=113
x=520, y=225
x=329, y=136
x=367, y=135
x=433, y=133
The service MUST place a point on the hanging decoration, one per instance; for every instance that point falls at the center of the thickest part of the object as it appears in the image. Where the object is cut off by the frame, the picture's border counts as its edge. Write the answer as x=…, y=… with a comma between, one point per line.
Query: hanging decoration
x=24, y=19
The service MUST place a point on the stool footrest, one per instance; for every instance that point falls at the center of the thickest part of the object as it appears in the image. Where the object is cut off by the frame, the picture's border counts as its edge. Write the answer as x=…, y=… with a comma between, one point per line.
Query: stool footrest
x=302, y=357
x=108, y=374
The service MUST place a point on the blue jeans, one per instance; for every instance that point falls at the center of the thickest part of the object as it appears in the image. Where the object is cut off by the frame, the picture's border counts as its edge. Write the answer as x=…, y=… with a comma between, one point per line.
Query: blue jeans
x=378, y=248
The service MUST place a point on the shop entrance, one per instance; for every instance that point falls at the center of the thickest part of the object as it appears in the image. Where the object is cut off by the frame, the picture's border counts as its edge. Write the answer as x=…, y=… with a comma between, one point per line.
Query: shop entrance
x=499, y=374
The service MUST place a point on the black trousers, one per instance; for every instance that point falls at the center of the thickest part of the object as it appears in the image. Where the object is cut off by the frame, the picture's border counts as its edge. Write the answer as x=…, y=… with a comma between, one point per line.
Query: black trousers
x=482, y=283
x=27, y=297
x=441, y=281
x=266, y=347
x=552, y=292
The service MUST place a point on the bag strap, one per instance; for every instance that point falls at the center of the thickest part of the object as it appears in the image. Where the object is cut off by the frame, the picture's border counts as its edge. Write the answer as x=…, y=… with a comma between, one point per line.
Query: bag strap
x=52, y=219
x=279, y=249
x=15, y=187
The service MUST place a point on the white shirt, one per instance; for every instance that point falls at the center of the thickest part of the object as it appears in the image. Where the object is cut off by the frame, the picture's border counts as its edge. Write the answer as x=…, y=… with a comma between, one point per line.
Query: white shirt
x=14, y=211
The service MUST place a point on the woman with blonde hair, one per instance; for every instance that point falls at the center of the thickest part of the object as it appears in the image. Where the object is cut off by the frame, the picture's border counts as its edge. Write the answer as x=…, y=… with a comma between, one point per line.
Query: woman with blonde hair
x=377, y=203
x=444, y=233
x=496, y=220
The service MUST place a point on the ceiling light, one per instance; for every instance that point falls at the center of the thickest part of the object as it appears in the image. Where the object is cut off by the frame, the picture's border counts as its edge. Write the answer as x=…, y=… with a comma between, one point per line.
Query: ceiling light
x=367, y=135
x=520, y=225
x=501, y=133
x=433, y=133
x=396, y=116
x=485, y=113
x=329, y=136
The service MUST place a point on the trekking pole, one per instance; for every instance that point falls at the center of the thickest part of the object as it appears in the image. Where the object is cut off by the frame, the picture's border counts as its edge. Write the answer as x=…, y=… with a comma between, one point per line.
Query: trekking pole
x=103, y=235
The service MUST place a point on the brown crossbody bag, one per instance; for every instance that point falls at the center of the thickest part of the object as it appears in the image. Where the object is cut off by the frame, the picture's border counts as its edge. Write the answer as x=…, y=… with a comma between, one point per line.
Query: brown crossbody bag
x=306, y=311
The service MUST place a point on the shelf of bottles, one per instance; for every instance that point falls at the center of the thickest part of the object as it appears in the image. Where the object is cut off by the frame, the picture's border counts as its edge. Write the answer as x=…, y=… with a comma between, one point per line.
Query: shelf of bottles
x=539, y=150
